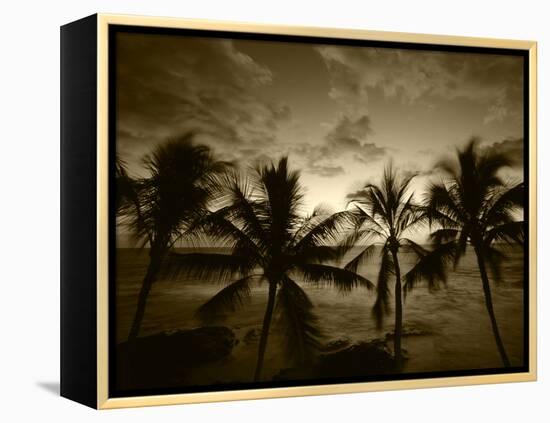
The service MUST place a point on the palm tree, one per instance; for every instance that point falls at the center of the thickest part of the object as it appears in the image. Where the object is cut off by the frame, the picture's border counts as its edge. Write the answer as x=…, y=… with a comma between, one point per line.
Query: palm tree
x=183, y=178
x=473, y=205
x=125, y=193
x=386, y=214
x=259, y=219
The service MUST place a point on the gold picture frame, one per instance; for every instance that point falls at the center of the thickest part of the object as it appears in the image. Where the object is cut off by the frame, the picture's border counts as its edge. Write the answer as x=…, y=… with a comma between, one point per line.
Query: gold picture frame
x=101, y=314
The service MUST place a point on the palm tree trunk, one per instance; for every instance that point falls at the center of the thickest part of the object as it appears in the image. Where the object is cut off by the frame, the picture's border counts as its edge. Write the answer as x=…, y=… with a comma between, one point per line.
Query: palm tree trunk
x=489, y=306
x=398, y=313
x=147, y=284
x=265, y=330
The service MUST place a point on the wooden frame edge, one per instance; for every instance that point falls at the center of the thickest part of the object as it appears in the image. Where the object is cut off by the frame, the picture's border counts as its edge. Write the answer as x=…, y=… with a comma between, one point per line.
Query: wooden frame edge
x=301, y=391
x=533, y=209
x=311, y=31
x=103, y=400
x=102, y=213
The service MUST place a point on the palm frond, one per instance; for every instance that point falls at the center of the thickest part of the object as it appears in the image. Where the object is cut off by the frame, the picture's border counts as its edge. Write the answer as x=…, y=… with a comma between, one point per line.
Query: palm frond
x=358, y=237
x=178, y=190
x=210, y=267
x=494, y=258
x=218, y=227
x=308, y=222
x=502, y=204
x=462, y=244
x=431, y=265
x=283, y=196
x=316, y=254
x=411, y=219
x=389, y=188
x=489, y=165
x=441, y=236
x=245, y=212
x=229, y=299
x=365, y=219
x=327, y=232
x=475, y=184
x=353, y=240
x=375, y=204
x=403, y=186
x=441, y=208
x=125, y=191
x=361, y=258
x=388, y=208
x=342, y=279
x=297, y=319
x=512, y=232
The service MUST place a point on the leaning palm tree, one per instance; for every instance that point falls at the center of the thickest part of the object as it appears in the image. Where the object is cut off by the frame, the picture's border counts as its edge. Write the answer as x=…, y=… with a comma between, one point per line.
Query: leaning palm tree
x=183, y=178
x=386, y=215
x=472, y=205
x=270, y=243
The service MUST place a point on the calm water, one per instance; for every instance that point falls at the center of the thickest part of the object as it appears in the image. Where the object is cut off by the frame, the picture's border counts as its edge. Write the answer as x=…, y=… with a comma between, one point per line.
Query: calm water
x=451, y=326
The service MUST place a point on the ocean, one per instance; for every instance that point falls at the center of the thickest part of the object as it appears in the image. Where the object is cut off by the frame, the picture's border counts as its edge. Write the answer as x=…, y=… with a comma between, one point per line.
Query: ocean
x=446, y=330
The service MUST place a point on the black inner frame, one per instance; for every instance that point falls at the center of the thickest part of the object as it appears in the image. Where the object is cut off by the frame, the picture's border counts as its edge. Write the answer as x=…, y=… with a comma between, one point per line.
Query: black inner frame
x=112, y=120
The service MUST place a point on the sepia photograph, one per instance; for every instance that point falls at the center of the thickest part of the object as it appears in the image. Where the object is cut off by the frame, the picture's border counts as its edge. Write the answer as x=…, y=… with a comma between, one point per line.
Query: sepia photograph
x=293, y=211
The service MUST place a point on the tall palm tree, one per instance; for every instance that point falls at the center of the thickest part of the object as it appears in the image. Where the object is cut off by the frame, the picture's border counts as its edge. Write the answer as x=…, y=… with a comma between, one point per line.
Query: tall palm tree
x=259, y=219
x=386, y=215
x=472, y=205
x=183, y=178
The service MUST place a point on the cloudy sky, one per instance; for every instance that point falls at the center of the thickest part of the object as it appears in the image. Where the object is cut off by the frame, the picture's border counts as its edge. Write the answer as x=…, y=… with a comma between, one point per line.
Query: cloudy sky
x=340, y=113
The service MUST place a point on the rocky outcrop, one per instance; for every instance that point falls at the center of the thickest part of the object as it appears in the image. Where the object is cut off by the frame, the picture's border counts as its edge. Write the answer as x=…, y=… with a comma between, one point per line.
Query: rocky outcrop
x=165, y=359
x=408, y=331
x=252, y=336
x=341, y=359
x=361, y=359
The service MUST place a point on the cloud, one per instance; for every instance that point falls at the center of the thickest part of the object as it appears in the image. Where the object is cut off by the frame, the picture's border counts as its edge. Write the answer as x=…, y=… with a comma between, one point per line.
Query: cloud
x=346, y=139
x=326, y=171
x=360, y=193
x=513, y=148
x=168, y=85
x=495, y=81
x=349, y=135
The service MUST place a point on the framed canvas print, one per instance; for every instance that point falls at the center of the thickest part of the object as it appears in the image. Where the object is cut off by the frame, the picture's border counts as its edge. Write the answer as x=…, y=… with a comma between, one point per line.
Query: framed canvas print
x=257, y=211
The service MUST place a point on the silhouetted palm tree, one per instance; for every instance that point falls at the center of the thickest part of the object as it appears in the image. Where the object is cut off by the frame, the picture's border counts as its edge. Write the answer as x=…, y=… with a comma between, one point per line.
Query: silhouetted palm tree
x=125, y=191
x=472, y=205
x=259, y=219
x=387, y=215
x=183, y=178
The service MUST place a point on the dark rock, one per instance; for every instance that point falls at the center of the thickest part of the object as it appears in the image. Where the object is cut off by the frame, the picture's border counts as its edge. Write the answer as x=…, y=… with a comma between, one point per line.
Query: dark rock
x=252, y=336
x=361, y=359
x=408, y=332
x=165, y=359
x=336, y=345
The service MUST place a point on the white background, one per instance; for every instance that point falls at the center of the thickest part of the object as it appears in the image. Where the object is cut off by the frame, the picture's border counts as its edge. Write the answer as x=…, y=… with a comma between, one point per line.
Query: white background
x=29, y=235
